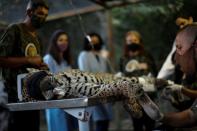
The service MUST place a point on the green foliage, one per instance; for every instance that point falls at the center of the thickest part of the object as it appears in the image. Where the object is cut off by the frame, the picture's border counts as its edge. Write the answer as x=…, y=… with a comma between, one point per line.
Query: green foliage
x=154, y=20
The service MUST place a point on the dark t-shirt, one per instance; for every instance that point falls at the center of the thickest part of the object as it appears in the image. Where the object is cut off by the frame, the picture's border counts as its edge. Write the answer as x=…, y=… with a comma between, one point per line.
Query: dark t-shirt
x=16, y=42
x=126, y=63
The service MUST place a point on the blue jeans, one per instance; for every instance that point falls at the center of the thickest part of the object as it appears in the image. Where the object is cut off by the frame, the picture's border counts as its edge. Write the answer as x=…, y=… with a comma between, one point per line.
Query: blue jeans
x=59, y=120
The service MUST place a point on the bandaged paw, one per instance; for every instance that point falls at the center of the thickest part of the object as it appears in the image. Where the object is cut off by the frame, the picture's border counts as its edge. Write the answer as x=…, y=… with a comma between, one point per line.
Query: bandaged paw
x=150, y=108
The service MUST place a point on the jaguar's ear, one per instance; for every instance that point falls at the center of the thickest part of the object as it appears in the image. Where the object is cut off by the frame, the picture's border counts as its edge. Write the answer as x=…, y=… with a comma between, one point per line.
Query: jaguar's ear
x=31, y=70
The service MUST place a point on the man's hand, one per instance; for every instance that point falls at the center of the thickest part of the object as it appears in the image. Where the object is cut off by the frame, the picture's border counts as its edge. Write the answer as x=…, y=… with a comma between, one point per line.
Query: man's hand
x=174, y=87
x=37, y=62
x=43, y=66
x=143, y=66
x=167, y=84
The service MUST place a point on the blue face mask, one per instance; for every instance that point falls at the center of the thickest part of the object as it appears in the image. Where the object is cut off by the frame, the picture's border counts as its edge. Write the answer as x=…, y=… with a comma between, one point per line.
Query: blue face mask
x=37, y=21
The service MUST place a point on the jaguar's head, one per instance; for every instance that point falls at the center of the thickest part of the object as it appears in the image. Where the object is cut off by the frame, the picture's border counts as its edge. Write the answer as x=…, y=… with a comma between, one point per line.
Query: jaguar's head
x=40, y=85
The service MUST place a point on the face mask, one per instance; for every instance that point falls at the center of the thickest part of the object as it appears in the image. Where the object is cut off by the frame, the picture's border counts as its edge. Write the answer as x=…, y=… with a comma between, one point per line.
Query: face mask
x=36, y=21
x=134, y=47
x=63, y=47
x=97, y=47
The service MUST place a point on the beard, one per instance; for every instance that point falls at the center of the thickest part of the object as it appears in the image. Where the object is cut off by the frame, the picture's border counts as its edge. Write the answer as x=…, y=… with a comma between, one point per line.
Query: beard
x=187, y=62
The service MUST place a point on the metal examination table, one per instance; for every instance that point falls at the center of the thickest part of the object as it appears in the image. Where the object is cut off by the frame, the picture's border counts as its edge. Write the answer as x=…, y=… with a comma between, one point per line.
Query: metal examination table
x=80, y=108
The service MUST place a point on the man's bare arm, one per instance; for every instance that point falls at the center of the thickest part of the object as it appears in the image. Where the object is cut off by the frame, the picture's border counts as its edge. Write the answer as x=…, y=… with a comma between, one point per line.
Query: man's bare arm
x=180, y=119
x=190, y=93
x=17, y=62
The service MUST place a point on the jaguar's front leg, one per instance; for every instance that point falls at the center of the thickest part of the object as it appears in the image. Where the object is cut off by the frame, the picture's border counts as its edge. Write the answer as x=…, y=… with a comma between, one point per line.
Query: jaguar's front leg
x=125, y=89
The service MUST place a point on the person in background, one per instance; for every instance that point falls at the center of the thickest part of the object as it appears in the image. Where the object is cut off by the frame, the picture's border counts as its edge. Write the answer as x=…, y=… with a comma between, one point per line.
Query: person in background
x=137, y=62
x=20, y=49
x=91, y=60
x=58, y=58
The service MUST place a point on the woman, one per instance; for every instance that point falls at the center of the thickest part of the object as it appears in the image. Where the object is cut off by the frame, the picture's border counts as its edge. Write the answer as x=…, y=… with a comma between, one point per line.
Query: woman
x=58, y=59
x=91, y=60
x=137, y=62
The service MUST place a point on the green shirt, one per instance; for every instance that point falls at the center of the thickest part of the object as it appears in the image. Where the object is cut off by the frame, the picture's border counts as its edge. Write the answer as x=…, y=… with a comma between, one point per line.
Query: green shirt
x=16, y=42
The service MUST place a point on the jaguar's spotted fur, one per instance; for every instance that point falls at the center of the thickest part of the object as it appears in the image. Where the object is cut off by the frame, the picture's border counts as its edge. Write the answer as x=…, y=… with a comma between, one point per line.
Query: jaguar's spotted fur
x=75, y=83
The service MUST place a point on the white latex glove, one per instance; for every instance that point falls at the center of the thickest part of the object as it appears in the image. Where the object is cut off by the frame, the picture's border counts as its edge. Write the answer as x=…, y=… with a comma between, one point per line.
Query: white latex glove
x=173, y=86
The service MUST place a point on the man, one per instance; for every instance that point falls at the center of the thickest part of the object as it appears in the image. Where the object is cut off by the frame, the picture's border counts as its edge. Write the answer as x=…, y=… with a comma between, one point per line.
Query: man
x=186, y=51
x=186, y=58
x=19, y=49
x=3, y=109
x=168, y=68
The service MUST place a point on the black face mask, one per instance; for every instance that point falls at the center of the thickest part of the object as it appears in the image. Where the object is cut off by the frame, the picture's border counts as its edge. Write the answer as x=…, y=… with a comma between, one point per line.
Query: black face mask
x=134, y=47
x=37, y=22
x=97, y=47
